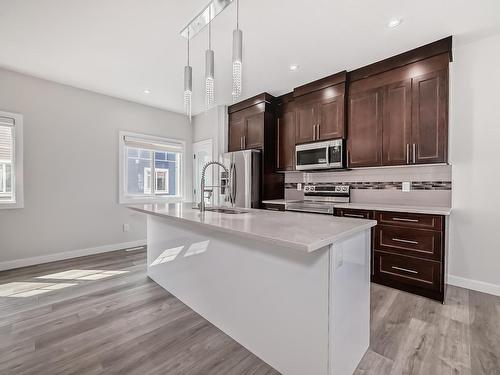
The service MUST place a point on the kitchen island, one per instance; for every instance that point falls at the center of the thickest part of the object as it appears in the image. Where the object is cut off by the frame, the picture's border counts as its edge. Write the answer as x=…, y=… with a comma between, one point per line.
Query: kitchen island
x=293, y=288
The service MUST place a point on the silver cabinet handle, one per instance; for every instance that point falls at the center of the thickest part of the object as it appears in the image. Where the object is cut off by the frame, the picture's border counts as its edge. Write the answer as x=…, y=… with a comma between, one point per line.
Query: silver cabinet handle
x=273, y=209
x=407, y=220
x=407, y=153
x=317, y=131
x=404, y=269
x=405, y=241
x=414, y=153
x=314, y=132
x=354, y=215
x=241, y=143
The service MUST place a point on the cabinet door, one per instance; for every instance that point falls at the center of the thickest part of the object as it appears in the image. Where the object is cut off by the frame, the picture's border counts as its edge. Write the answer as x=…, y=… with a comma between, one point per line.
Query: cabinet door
x=430, y=118
x=306, y=122
x=236, y=131
x=286, y=139
x=397, y=123
x=254, y=137
x=365, y=129
x=331, y=118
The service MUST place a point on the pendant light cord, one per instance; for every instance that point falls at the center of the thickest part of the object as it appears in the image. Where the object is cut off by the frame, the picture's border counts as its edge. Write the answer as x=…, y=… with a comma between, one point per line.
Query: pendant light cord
x=210, y=27
x=237, y=14
x=188, y=48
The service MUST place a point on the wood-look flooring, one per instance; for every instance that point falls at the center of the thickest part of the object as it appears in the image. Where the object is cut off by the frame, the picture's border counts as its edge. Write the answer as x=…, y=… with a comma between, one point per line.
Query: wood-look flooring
x=101, y=315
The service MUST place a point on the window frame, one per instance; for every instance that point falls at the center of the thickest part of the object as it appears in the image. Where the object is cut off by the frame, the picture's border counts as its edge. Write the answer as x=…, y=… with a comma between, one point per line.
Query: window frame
x=17, y=177
x=124, y=197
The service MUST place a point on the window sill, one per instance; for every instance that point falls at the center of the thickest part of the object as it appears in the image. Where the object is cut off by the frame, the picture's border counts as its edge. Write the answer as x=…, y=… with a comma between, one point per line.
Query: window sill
x=11, y=206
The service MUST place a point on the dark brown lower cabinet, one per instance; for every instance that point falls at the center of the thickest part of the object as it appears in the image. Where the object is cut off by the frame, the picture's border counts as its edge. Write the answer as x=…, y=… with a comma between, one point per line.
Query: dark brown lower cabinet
x=408, y=251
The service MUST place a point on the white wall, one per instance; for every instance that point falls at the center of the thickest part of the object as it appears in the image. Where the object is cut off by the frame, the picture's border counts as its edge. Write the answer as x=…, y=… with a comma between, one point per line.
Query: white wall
x=212, y=124
x=474, y=146
x=71, y=167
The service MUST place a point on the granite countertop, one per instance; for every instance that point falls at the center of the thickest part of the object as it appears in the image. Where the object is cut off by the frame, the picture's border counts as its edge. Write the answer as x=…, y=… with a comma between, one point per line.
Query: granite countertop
x=280, y=201
x=301, y=231
x=431, y=210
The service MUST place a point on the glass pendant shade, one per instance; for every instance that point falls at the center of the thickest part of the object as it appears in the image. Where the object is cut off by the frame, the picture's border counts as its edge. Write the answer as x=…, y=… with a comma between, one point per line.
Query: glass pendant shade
x=188, y=90
x=237, y=63
x=209, y=78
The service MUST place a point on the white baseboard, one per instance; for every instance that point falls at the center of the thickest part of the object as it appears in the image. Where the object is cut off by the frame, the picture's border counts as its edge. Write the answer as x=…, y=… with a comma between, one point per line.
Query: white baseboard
x=479, y=286
x=17, y=263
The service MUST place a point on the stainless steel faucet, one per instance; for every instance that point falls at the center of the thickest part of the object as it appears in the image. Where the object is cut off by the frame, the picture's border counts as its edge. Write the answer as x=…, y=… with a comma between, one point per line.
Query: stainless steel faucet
x=202, y=189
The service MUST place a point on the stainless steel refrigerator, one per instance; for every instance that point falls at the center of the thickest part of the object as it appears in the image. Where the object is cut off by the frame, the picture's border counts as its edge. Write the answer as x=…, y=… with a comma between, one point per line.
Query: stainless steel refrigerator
x=244, y=178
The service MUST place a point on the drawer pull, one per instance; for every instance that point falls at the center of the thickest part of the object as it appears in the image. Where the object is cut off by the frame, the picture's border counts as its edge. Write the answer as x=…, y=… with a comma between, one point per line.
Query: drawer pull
x=272, y=209
x=404, y=269
x=354, y=215
x=405, y=241
x=402, y=219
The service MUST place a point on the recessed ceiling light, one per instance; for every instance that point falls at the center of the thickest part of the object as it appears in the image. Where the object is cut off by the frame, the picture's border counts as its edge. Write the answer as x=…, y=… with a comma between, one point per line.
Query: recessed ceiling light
x=294, y=67
x=147, y=91
x=395, y=22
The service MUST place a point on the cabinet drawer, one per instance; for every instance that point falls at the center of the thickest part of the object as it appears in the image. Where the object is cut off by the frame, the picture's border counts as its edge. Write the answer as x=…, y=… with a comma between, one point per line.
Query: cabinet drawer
x=349, y=212
x=273, y=206
x=419, y=221
x=407, y=241
x=392, y=268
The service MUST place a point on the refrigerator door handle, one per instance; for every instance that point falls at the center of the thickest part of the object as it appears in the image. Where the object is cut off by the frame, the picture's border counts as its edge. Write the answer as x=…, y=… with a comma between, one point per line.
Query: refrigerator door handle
x=232, y=196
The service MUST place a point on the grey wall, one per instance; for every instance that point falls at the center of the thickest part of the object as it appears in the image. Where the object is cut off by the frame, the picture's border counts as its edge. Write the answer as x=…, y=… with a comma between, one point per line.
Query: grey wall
x=71, y=166
x=474, y=147
x=212, y=124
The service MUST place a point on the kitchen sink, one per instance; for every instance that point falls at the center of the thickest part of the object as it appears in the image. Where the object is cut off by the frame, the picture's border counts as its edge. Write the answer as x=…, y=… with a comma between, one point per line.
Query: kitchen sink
x=231, y=211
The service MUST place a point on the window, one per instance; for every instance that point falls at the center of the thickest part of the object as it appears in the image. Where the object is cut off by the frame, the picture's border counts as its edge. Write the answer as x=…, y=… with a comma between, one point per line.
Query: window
x=151, y=168
x=11, y=160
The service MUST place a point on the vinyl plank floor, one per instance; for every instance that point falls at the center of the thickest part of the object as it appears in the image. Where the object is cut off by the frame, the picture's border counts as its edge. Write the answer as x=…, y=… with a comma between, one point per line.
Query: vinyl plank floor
x=100, y=314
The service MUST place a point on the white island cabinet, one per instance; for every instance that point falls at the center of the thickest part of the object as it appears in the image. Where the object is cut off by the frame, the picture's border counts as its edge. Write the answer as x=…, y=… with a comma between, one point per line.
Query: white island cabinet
x=293, y=288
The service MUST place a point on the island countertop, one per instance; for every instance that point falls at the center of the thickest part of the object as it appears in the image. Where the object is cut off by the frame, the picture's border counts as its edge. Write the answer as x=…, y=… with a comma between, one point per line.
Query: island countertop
x=301, y=231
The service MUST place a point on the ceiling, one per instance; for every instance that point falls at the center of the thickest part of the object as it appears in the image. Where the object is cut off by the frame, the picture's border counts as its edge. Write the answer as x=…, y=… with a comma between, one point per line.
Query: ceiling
x=122, y=47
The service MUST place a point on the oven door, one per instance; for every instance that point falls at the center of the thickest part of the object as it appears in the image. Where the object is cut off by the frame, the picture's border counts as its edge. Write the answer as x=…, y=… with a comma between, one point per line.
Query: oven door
x=311, y=156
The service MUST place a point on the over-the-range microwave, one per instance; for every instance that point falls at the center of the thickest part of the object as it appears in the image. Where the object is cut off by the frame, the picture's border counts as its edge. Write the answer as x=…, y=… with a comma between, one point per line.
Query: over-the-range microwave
x=320, y=155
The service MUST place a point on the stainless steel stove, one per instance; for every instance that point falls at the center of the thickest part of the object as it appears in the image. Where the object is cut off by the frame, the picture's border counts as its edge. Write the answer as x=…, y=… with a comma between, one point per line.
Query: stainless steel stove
x=321, y=199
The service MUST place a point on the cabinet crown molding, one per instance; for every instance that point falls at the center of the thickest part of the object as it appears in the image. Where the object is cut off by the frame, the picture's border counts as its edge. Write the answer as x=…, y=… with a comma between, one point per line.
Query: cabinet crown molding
x=257, y=99
x=439, y=47
x=321, y=84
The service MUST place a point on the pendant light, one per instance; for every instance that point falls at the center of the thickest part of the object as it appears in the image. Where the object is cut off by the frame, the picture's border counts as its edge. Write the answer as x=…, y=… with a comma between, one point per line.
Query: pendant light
x=188, y=85
x=209, y=67
x=237, y=55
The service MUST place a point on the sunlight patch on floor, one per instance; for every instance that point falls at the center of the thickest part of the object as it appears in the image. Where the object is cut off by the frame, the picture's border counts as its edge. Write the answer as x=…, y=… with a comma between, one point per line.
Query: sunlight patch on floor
x=82, y=275
x=28, y=289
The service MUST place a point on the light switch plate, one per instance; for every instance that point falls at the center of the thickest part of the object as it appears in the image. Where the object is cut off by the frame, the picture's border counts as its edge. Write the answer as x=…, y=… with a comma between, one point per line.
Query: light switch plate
x=126, y=227
x=299, y=186
x=406, y=186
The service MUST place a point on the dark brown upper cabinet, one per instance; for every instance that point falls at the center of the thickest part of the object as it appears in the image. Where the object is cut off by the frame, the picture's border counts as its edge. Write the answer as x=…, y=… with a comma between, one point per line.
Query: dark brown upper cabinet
x=364, y=143
x=397, y=123
x=320, y=108
x=398, y=115
x=286, y=131
x=252, y=125
x=430, y=118
x=237, y=130
x=246, y=128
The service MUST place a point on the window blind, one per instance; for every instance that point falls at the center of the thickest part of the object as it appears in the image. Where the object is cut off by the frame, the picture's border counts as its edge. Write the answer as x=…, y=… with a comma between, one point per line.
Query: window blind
x=6, y=140
x=153, y=144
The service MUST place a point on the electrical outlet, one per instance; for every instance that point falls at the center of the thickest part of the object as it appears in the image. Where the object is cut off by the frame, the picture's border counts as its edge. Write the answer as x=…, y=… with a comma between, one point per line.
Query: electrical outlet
x=126, y=227
x=299, y=186
x=406, y=186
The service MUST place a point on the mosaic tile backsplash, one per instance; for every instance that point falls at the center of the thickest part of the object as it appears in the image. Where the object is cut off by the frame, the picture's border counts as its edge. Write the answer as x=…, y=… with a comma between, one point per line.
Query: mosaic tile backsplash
x=415, y=185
